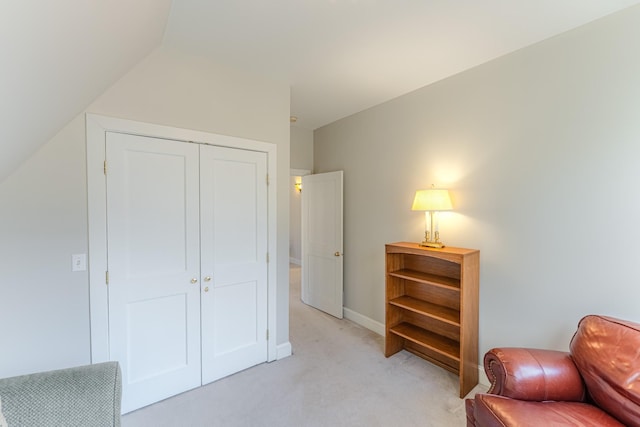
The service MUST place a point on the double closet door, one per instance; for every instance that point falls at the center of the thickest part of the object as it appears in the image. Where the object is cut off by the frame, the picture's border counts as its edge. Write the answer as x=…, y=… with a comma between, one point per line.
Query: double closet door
x=187, y=267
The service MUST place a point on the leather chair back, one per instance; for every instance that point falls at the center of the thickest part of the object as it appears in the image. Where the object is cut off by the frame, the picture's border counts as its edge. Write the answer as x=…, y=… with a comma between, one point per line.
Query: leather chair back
x=607, y=354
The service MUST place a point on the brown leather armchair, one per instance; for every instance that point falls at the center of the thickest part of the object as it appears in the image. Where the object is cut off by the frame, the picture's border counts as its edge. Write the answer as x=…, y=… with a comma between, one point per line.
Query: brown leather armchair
x=597, y=383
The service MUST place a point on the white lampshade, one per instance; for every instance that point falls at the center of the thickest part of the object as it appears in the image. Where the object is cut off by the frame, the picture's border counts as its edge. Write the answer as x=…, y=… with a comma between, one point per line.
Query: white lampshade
x=432, y=199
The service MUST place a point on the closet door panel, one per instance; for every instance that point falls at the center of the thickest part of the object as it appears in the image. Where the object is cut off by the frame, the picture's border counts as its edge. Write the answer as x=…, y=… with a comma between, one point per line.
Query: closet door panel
x=153, y=255
x=234, y=260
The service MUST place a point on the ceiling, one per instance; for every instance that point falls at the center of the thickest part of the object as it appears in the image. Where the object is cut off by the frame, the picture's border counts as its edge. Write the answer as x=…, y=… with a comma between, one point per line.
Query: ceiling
x=338, y=56
x=343, y=56
x=58, y=56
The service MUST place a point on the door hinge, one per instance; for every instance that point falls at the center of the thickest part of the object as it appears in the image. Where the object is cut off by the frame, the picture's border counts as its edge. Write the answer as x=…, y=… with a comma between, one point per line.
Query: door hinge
x=267, y=179
x=267, y=335
x=267, y=257
x=106, y=277
x=105, y=167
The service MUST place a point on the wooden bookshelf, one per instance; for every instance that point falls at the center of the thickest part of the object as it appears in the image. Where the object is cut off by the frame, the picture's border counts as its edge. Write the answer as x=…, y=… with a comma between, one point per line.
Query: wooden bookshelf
x=432, y=307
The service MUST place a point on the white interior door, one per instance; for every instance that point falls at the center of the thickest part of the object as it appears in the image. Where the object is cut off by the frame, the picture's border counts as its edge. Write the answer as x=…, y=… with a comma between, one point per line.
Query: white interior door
x=153, y=266
x=234, y=260
x=322, y=250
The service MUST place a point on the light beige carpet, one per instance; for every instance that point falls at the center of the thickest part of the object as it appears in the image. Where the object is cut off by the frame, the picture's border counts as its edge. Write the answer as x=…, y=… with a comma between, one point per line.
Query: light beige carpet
x=337, y=376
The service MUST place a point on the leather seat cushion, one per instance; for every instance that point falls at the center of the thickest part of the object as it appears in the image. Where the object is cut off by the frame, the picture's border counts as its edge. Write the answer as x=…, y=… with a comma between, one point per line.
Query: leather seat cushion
x=491, y=410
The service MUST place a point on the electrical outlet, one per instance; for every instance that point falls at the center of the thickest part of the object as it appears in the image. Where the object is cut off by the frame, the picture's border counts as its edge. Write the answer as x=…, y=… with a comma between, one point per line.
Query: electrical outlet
x=79, y=262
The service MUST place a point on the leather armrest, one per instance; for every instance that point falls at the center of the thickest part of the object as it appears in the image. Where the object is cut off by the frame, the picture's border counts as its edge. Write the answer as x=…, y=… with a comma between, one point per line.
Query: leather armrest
x=533, y=374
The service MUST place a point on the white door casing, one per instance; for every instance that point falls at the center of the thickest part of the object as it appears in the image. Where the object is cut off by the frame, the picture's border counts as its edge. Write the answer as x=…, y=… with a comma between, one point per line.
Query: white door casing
x=154, y=266
x=234, y=260
x=322, y=242
x=97, y=129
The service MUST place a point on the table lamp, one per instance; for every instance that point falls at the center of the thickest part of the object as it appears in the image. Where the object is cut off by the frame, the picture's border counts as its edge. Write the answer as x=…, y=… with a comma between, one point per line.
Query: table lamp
x=431, y=201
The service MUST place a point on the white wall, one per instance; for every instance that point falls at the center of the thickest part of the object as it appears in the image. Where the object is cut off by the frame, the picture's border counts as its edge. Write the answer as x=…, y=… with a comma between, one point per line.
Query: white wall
x=301, y=160
x=540, y=149
x=301, y=148
x=44, y=306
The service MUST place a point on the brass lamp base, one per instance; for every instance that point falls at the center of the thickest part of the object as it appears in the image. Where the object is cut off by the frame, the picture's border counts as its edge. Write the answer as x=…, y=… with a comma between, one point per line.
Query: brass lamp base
x=426, y=244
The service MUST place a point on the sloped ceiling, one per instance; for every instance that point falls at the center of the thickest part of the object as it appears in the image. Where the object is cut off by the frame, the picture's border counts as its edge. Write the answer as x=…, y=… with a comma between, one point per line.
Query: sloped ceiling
x=343, y=56
x=338, y=56
x=58, y=56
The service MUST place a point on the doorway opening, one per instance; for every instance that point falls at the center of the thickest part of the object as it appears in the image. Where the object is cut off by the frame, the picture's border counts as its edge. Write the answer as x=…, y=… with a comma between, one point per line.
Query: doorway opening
x=295, y=215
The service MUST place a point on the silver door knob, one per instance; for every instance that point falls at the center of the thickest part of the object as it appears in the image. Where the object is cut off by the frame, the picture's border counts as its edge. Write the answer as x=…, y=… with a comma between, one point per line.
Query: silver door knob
x=194, y=280
x=206, y=289
x=207, y=279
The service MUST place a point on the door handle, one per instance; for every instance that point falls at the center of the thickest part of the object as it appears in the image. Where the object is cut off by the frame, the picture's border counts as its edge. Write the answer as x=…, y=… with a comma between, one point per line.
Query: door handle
x=337, y=253
x=194, y=280
x=207, y=279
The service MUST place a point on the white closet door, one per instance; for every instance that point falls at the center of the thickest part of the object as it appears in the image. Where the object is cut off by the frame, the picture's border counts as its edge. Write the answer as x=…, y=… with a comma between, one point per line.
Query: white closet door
x=233, y=203
x=153, y=262
x=322, y=231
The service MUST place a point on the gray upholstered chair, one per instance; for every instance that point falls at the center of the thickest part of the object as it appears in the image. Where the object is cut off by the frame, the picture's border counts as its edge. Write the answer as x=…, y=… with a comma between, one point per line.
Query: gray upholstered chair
x=85, y=396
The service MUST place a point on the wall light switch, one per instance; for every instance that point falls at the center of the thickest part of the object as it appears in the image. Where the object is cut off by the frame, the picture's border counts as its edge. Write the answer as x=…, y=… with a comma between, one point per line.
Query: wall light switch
x=79, y=262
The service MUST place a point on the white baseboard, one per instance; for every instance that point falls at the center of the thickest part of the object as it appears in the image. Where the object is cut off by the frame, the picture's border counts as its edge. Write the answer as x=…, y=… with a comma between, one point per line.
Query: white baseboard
x=295, y=261
x=364, y=321
x=283, y=350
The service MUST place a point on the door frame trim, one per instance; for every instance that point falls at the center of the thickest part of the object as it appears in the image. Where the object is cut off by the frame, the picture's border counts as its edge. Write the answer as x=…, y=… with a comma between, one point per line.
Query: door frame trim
x=96, y=128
